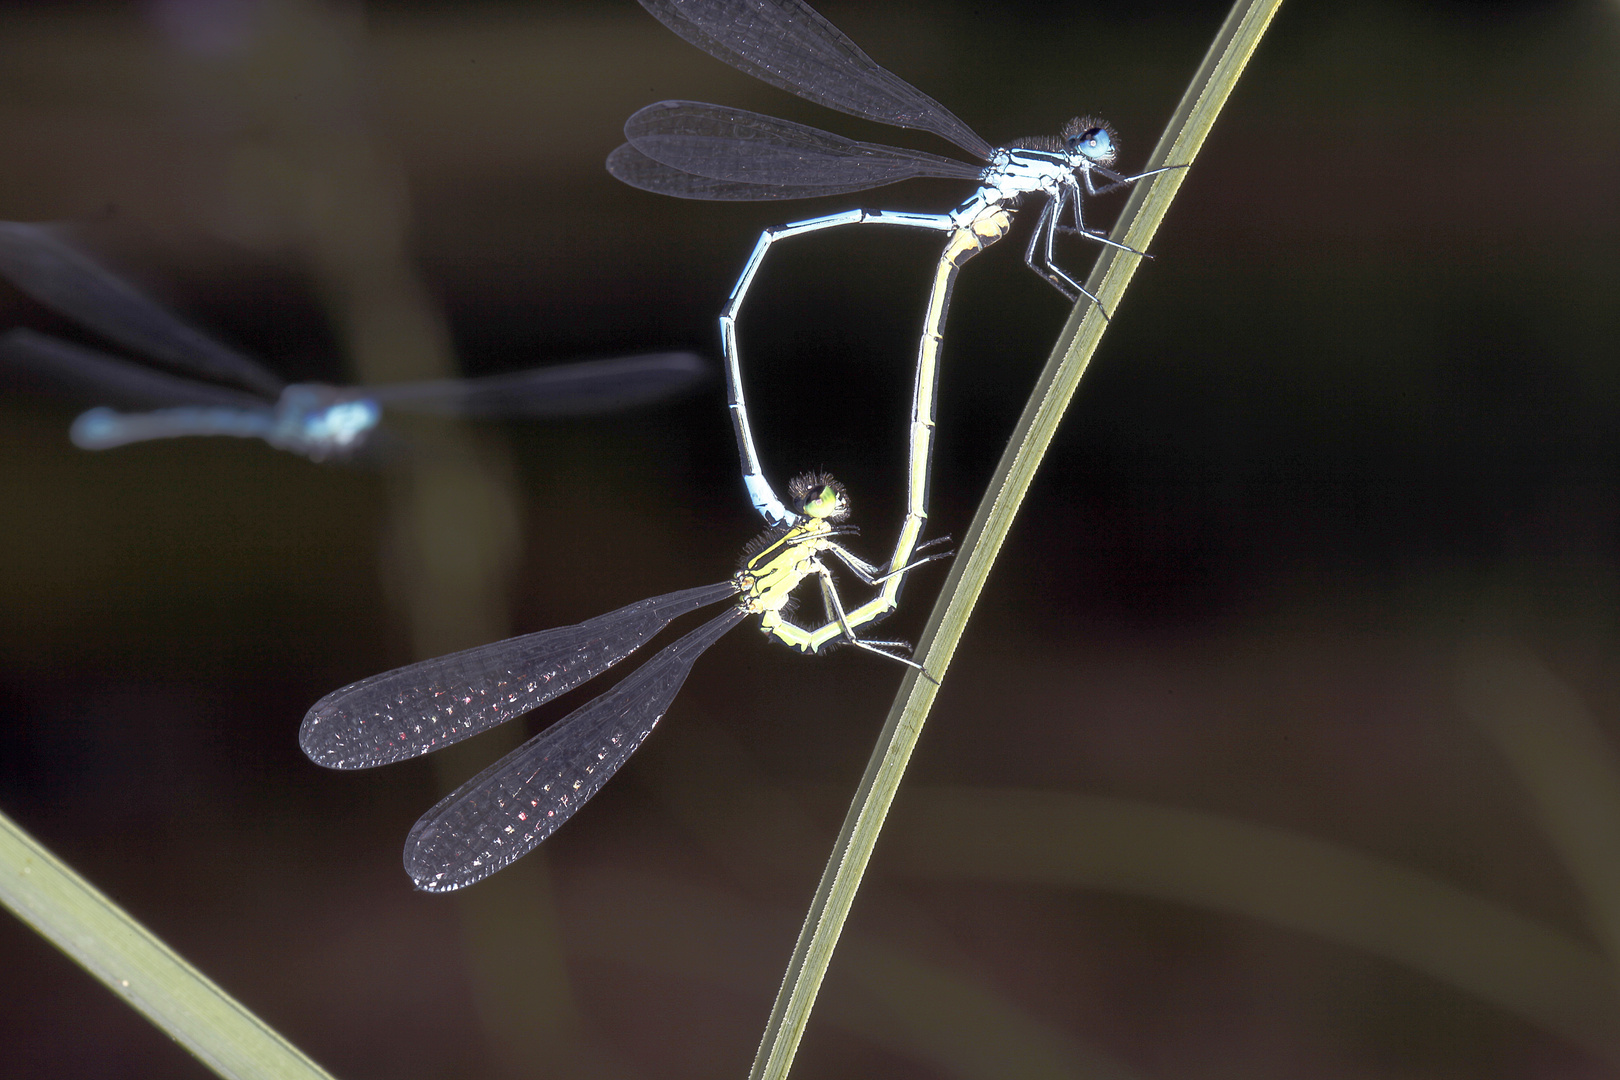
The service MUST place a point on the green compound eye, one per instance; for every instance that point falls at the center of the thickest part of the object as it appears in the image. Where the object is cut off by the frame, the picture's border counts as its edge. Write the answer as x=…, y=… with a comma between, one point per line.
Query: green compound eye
x=817, y=496
x=822, y=503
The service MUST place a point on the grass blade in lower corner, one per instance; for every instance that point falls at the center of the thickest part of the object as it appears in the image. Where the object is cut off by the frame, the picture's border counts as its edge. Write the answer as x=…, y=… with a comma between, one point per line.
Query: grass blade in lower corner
x=75, y=917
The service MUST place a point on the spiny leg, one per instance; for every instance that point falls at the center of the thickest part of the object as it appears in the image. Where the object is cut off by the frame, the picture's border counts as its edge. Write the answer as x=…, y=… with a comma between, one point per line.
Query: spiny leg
x=1042, y=224
x=872, y=574
x=1080, y=226
x=1046, y=229
x=830, y=597
x=1119, y=181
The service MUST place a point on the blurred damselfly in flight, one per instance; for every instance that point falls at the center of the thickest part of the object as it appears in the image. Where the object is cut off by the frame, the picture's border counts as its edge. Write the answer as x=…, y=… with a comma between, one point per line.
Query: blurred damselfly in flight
x=231, y=394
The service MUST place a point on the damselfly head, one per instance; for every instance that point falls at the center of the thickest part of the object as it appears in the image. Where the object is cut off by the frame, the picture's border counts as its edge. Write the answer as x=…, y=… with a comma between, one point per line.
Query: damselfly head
x=1090, y=138
x=818, y=495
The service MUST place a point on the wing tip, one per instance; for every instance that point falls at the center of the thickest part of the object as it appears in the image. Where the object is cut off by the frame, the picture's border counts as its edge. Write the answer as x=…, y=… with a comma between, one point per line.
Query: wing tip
x=325, y=746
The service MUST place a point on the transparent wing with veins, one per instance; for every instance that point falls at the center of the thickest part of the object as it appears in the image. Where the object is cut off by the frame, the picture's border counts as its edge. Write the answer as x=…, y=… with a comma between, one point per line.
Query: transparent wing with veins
x=750, y=149
x=419, y=708
x=505, y=811
x=789, y=45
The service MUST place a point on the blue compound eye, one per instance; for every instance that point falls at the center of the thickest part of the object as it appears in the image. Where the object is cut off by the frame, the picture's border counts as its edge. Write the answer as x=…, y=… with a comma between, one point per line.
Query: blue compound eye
x=1095, y=143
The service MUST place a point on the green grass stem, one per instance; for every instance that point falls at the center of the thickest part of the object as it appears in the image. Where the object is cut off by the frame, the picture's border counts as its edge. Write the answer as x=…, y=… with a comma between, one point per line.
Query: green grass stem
x=78, y=919
x=1217, y=76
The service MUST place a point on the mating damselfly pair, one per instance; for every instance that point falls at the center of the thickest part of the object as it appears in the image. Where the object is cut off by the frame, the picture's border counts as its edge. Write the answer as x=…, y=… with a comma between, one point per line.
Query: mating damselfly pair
x=697, y=151
x=700, y=151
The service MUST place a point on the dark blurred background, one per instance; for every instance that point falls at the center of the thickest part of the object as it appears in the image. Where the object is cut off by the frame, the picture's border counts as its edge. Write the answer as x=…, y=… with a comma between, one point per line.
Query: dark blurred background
x=1229, y=777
